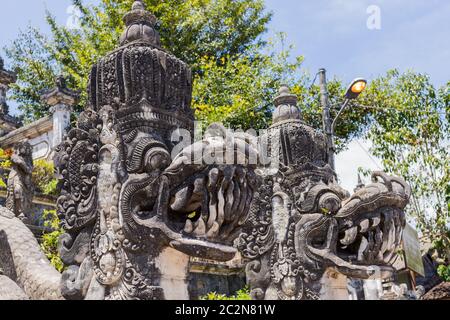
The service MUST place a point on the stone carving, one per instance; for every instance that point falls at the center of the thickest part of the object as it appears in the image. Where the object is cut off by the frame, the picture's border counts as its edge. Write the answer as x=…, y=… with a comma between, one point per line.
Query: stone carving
x=124, y=202
x=401, y=292
x=6, y=78
x=61, y=101
x=301, y=222
x=24, y=263
x=60, y=95
x=20, y=189
x=7, y=122
x=133, y=215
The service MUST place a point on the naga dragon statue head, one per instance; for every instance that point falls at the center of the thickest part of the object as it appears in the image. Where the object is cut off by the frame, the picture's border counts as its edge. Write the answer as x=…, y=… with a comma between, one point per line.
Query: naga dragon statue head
x=302, y=223
x=133, y=212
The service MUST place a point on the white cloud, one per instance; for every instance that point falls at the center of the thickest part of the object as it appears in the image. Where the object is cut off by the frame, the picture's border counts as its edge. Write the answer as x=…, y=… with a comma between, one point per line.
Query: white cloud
x=348, y=162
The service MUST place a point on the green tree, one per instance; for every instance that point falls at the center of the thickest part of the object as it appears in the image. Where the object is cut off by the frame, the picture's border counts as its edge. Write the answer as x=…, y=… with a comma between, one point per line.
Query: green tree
x=236, y=73
x=444, y=272
x=410, y=134
x=44, y=177
x=49, y=242
x=238, y=90
x=191, y=30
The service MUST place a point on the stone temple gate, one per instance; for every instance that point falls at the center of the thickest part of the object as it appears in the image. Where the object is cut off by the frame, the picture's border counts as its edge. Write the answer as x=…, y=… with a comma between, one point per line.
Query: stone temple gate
x=134, y=215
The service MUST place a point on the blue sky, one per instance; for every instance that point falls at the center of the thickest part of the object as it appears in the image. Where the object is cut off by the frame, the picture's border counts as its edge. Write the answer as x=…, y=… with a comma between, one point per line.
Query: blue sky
x=413, y=34
x=333, y=34
x=329, y=33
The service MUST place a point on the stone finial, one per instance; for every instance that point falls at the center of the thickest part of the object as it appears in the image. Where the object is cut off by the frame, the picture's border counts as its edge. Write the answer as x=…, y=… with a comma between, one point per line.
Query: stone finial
x=138, y=5
x=6, y=77
x=60, y=94
x=140, y=26
x=286, y=106
x=61, y=82
x=360, y=184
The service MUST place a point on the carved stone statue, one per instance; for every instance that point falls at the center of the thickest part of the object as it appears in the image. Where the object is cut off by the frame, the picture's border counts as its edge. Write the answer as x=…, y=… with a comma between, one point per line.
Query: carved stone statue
x=20, y=189
x=301, y=223
x=135, y=207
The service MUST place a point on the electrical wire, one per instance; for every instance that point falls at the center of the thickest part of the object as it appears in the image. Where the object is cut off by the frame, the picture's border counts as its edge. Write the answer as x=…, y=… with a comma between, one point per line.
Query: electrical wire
x=382, y=109
x=392, y=108
x=368, y=154
x=314, y=81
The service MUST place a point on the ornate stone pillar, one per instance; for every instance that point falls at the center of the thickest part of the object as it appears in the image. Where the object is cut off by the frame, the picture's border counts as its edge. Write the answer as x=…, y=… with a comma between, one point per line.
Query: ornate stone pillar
x=61, y=100
x=373, y=289
x=6, y=78
x=3, y=90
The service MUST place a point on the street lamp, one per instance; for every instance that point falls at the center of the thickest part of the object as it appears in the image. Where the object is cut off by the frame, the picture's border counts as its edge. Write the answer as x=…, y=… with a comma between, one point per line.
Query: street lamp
x=354, y=90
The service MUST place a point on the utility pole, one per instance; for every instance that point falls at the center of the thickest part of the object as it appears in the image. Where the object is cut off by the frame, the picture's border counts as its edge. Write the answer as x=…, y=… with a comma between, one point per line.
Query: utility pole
x=326, y=118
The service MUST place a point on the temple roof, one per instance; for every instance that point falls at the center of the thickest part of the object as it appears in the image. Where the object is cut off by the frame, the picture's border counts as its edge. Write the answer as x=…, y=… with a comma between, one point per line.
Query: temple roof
x=60, y=94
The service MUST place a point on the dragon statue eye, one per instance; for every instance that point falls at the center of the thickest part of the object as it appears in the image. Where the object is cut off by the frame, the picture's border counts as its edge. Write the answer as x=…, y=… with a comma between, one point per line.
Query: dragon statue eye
x=329, y=203
x=156, y=159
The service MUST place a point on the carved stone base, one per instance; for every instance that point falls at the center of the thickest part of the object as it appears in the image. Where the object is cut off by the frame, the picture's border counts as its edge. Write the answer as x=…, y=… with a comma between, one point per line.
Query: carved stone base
x=174, y=266
x=334, y=286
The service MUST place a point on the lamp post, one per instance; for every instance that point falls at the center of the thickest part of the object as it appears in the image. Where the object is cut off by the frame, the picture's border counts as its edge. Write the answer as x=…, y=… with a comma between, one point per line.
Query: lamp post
x=329, y=125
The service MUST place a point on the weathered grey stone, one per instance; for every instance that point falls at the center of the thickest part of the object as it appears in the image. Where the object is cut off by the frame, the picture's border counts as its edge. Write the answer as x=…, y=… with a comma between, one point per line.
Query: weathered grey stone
x=9, y=290
x=7, y=122
x=60, y=95
x=303, y=227
x=293, y=221
x=133, y=215
x=75, y=281
x=440, y=292
x=6, y=78
x=431, y=278
x=31, y=269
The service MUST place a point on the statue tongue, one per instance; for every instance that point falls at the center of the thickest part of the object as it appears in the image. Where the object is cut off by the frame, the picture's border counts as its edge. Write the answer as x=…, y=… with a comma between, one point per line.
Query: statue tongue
x=199, y=248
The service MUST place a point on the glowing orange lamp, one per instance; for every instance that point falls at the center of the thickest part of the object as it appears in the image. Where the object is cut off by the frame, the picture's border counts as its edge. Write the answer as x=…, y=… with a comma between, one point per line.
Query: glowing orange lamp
x=355, y=88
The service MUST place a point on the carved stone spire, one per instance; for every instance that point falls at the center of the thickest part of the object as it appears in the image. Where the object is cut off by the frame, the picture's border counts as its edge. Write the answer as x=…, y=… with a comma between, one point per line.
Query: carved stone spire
x=286, y=106
x=360, y=184
x=140, y=26
x=6, y=78
x=142, y=82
